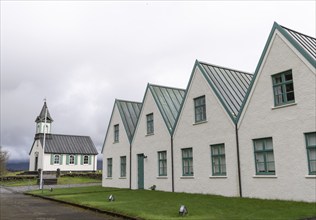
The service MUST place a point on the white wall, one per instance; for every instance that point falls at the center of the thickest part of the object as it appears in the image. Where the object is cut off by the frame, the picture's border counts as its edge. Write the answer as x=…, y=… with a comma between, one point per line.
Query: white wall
x=285, y=125
x=115, y=151
x=149, y=145
x=218, y=129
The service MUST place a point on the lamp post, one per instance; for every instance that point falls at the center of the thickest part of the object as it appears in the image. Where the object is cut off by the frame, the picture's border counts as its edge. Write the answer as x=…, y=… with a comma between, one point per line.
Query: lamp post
x=44, y=140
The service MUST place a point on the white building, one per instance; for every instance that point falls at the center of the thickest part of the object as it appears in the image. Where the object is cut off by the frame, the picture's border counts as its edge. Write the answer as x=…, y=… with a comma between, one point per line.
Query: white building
x=118, y=143
x=277, y=130
x=233, y=133
x=66, y=152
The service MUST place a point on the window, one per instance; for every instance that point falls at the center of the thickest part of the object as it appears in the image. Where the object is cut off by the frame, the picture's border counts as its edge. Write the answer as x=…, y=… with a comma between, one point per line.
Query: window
x=109, y=174
x=123, y=166
x=264, y=158
x=187, y=162
x=283, y=88
x=56, y=159
x=200, y=110
x=311, y=152
x=150, y=123
x=85, y=159
x=218, y=160
x=71, y=159
x=116, y=133
x=162, y=163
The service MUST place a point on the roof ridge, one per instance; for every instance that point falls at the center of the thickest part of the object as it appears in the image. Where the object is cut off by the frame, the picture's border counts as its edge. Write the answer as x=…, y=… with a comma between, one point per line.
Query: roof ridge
x=240, y=71
x=298, y=32
x=123, y=100
x=74, y=135
x=167, y=87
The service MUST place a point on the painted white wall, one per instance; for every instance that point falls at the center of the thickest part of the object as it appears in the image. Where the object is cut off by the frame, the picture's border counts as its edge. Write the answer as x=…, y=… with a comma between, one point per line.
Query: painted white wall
x=40, y=127
x=115, y=150
x=285, y=125
x=149, y=145
x=218, y=129
x=37, y=147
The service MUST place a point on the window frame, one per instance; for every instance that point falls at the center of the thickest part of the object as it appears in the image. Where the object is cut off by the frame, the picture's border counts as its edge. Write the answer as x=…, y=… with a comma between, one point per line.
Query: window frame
x=190, y=162
x=84, y=159
x=70, y=161
x=264, y=152
x=308, y=148
x=199, y=109
x=56, y=155
x=162, y=163
x=150, y=123
x=123, y=166
x=282, y=85
x=219, y=157
x=116, y=133
x=109, y=172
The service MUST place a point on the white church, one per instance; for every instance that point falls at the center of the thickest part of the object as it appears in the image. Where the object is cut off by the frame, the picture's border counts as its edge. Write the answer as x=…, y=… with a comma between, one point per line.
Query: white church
x=229, y=133
x=64, y=152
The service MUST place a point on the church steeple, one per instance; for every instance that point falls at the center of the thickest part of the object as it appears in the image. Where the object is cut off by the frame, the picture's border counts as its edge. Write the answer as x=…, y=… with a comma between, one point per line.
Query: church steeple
x=40, y=121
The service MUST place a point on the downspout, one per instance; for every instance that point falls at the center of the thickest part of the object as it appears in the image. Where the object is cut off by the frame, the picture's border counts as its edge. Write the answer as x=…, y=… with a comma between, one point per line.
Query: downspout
x=172, y=166
x=238, y=160
x=130, y=166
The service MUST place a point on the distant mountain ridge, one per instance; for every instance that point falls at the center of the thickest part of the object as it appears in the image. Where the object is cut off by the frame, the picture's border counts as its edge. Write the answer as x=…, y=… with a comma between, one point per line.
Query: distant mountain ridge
x=24, y=165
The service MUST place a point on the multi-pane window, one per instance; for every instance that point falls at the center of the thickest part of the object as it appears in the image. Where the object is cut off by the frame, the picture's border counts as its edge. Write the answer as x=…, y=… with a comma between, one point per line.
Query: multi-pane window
x=123, y=166
x=85, y=159
x=162, y=163
x=200, y=109
x=283, y=88
x=56, y=159
x=264, y=158
x=311, y=152
x=109, y=173
x=116, y=133
x=71, y=159
x=187, y=162
x=218, y=160
x=150, y=123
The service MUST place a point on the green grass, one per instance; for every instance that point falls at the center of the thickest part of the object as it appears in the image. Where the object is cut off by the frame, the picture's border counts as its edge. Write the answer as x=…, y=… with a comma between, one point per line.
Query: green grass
x=61, y=181
x=165, y=205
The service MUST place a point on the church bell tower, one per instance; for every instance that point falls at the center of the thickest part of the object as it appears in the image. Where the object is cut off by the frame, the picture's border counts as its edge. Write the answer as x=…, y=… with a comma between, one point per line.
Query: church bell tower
x=40, y=121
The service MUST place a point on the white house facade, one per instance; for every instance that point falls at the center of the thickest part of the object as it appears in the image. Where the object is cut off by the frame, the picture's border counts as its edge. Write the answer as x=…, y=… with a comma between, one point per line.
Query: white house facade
x=278, y=128
x=117, y=144
x=229, y=133
x=64, y=152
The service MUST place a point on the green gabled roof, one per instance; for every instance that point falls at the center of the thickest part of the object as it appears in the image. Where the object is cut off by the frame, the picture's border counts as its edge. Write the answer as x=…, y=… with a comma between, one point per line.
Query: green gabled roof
x=230, y=86
x=169, y=102
x=129, y=112
x=41, y=117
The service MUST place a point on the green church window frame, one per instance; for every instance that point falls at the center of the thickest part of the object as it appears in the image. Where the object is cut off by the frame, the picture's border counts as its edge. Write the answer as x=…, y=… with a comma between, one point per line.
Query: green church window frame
x=283, y=88
x=109, y=167
x=71, y=159
x=162, y=163
x=187, y=162
x=264, y=156
x=310, y=140
x=218, y=160
x=123, y=166
x=85, y=159
x=56, y=159
x=150, y=123
x=116, y=133
x=199, y=109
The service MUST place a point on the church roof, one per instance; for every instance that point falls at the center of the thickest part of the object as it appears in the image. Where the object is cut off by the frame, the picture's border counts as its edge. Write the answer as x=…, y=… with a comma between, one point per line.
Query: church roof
x=129, y=112
x=68, y=144
x=41, y=117
x=169, y=102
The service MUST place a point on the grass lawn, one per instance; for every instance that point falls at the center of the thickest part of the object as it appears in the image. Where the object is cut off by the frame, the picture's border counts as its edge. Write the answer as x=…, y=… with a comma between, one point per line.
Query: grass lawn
x=61, y=181
x=165, y=205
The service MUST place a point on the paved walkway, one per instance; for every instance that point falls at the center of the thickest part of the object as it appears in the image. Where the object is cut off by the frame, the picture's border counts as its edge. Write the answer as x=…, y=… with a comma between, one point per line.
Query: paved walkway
x=15, y=205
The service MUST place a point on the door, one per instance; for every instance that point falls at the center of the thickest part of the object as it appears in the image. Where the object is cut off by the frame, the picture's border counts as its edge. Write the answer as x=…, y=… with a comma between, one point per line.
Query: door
x=140, y=161
x=36, y=162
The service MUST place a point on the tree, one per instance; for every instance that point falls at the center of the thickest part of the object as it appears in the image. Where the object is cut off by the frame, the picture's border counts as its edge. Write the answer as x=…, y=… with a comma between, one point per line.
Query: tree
x=4, y=156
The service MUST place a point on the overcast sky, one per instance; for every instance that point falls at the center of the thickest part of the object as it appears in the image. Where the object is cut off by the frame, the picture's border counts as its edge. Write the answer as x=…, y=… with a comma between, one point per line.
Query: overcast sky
x=81, y=55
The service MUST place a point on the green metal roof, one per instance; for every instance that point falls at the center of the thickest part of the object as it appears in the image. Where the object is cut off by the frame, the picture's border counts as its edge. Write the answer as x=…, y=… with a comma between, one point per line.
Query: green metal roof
x=129, y=112
x=169, y=102
x=229, y=85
